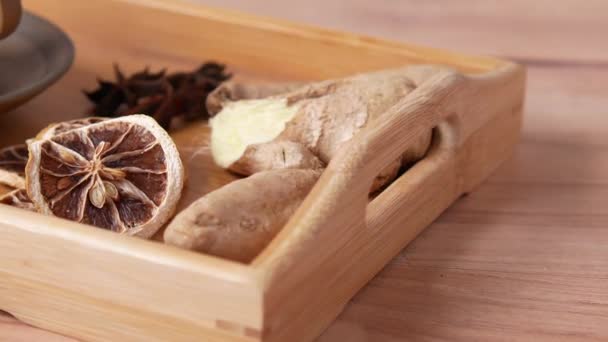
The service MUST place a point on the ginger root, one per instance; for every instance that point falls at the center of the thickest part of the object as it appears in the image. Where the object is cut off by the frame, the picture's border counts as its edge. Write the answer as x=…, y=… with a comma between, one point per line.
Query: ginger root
x=238, y=220
x=313, y=121
x=234, y=91
x=282, y=139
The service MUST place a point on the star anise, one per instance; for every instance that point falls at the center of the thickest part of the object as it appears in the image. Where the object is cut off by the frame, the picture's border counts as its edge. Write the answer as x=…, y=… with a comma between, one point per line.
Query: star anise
x=158, y=94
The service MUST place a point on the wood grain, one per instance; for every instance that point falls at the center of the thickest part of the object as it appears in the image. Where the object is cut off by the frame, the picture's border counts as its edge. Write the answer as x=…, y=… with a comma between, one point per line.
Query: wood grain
x=524, y=256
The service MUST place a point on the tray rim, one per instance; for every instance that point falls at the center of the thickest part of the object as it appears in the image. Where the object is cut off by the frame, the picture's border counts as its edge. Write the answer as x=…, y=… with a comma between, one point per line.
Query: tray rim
x=480, y=63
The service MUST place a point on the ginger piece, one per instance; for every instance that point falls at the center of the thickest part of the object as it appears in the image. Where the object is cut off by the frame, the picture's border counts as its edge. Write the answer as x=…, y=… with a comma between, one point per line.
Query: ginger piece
x=274, y=155
x=314, y=121
x=234, y=91
x=238, y=220
x=284, y=142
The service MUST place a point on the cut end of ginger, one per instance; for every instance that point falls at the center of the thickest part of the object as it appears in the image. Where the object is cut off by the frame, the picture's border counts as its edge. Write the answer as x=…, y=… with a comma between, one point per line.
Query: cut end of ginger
x=243, y=123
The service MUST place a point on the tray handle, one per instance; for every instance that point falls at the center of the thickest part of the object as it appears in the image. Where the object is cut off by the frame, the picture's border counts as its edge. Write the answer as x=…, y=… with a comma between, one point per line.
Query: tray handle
x=338, y=203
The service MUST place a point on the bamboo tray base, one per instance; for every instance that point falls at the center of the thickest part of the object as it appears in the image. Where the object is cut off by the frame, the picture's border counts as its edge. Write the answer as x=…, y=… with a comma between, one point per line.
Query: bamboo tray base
x=96, y=285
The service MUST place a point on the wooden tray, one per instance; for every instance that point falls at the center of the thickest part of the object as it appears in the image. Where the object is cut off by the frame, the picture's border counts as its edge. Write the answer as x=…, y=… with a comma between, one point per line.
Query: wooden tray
x=97, y=285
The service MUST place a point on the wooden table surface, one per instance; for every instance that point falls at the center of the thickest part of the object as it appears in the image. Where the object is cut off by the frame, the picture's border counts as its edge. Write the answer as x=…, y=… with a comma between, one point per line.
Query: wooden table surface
x=525, y=257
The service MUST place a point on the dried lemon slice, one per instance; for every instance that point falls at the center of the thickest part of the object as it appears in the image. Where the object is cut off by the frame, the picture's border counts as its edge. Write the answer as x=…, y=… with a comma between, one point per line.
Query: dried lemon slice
x=12, y=166
x=62, y=127
x=18, y=198
x=14, y=158
x=122, y=174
